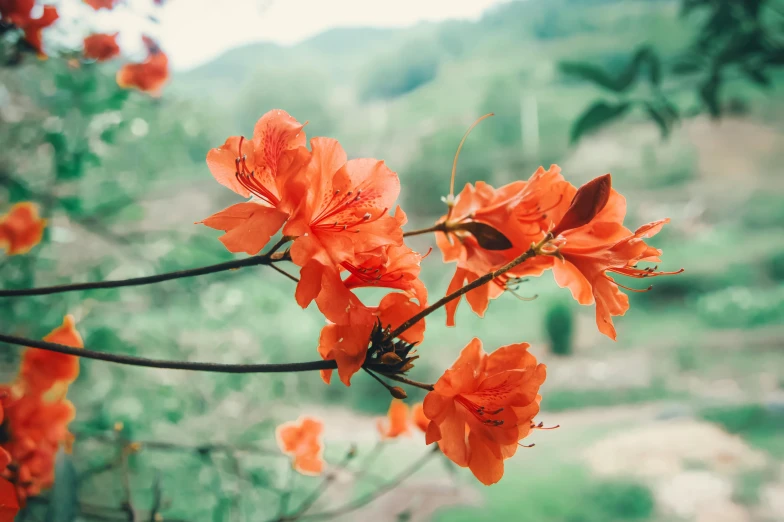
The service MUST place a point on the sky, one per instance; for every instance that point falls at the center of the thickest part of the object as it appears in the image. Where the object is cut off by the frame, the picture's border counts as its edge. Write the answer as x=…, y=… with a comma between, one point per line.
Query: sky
x=194, y=31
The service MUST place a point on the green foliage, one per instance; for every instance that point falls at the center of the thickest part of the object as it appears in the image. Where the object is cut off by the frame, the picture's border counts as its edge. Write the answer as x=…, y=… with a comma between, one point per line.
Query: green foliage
x=560, y=400
x=596, y=116
x=760, y=425
x=740, y=306
x=559, y=325
x=775, y=266
x=644, y=58
x=63, y=499
x=616, y=500
x=411, y=67
x=763, y=211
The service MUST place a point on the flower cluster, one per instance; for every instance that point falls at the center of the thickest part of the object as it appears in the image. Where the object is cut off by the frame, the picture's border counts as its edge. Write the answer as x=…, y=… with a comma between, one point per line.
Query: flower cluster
x=584, y=229
x=149, y=76
x=336, y=213
x=35, y=416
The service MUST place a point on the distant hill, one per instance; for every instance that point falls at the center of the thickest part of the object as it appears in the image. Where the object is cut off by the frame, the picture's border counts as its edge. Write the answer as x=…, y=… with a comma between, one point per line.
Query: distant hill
x=407, y=95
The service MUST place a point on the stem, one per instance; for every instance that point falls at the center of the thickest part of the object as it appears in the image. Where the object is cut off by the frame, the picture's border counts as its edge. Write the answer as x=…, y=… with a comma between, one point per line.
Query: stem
x=370, y=497
x=171, y=365
x=265, y=259
x=528, y=254
x=398, y=378
x=316, y=493
x=438, y=227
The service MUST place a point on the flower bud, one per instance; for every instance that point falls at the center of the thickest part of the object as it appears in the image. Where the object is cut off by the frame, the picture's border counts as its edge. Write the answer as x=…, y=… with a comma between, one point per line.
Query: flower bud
x=398, y=392
x=391, y=358
x=590, y=199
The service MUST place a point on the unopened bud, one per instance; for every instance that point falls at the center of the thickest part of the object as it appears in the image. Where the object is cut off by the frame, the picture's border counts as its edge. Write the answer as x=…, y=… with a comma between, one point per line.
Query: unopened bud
x=391, y=358
x=134, y=447
x=590, y=199
x=118, y=426
x=398, y=392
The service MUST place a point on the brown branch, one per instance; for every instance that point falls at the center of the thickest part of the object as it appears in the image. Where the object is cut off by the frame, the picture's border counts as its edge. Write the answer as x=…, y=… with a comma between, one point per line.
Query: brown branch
x=439, y=227
x=148, y=280
x=528, y=254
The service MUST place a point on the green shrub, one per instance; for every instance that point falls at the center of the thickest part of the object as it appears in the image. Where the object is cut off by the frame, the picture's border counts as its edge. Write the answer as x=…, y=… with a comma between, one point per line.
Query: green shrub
x=775, y=266
x=742, y=307
x=616, y=500
x=559, y=324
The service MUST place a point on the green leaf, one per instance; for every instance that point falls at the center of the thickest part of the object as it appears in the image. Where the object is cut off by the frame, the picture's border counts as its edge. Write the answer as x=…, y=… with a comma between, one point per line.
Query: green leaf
x=659, y=118
x=591, y=73
x=597, y=115
x=757, y=75
x=72, y=205
x=488, y=237
x=654, y=68
x=63, y=500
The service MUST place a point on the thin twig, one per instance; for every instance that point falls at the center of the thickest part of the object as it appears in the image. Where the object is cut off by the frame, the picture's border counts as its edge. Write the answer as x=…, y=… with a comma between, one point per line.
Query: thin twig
x=127, y=504
x=170, y=365
x=400, y=378
x=148, y=280
x=157, y=497
x=439, y=227
x=528, y=254
x=370, y=497
x=316, y=493
x=280, y=270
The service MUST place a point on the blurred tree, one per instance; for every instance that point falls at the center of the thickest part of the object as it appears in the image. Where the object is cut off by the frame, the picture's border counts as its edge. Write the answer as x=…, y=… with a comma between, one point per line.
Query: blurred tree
x=734, y=40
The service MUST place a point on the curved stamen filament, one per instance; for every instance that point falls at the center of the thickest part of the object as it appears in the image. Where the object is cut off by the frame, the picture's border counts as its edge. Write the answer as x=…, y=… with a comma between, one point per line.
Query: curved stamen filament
x=479, y=412
x=369, y=275
x=451, y=199
x=632, y=271
x=248, y=180
x=639, y=273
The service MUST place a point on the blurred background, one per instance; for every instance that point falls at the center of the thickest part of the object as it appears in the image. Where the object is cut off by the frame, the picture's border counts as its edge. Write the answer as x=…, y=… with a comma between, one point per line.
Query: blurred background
x=681, y=419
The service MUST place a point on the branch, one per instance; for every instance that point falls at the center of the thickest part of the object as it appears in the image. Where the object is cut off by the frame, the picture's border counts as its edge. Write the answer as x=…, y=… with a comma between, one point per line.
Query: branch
x=370, y=497
x=265, y=259
x=439, y=227
x=316, y=493
x=170, y=365
x=528, y=254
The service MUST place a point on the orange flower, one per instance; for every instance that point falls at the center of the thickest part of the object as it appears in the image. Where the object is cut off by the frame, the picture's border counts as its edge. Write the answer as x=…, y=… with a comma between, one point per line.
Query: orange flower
x=9, y=504
x=390, y=266
x=343, y=212
x=148, y=76
x=302, y=441
x=347, y=344
x=37, y=414
x=483, y=405
x=396, y=422
x=487, y=228
x=260, y=169
x=592, y=252
x=101, y=47
x=418, y=417
x=21, y=229
x=41, y=370
x=18, y=12
x=101, y=4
